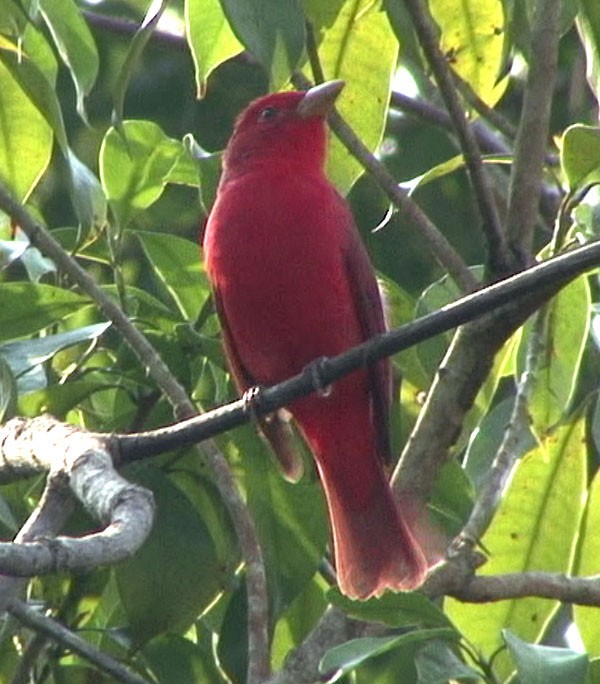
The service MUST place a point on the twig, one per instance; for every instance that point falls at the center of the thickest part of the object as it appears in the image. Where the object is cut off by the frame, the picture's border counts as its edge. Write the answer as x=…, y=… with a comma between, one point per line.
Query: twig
x=427, y=111
x=42, y=624
x=532, y=137
x=499, y=255
x=507, y=454
x=483, y=109
x=441, y=249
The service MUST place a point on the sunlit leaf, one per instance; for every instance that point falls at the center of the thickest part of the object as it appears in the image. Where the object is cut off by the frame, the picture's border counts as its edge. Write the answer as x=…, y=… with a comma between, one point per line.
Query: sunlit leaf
x=535, y=528
x=361, y=49
x=586, y=618
x=210, y=37
x=472, y=39
x=28, y=307
x=580, y=155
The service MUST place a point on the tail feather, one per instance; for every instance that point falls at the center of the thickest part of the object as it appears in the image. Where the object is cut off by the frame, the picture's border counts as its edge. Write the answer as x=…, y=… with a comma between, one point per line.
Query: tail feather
x=373, y=547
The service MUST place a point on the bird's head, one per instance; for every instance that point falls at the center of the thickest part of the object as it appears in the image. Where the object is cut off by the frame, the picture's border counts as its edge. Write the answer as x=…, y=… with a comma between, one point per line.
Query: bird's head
x=282, y=129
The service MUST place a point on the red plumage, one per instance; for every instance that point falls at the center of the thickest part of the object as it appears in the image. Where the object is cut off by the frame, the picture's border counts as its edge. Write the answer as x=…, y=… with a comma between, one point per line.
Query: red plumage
x=292, y=282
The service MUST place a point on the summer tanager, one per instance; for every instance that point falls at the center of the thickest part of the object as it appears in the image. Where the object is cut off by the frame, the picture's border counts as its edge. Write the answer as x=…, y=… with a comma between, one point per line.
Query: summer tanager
x=292, y=282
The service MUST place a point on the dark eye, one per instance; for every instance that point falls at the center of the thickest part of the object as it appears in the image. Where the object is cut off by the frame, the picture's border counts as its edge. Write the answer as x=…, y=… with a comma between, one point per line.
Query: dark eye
x=268, y=114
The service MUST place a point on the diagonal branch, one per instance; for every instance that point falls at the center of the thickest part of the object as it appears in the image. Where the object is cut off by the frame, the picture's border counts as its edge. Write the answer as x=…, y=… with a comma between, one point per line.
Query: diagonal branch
x=158, y=370
x=499, y=255
x=532, y=136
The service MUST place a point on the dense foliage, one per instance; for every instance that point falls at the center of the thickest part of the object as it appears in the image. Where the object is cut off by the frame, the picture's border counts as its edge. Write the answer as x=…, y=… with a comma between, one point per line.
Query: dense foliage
x=112, y=118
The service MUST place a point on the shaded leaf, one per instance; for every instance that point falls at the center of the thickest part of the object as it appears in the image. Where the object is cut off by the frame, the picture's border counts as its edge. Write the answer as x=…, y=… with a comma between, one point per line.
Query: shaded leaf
x=437, y=663
x=347, y=657
x=28, y=307
x=272, y=31
x=393, y=609
x=546, y=664
x=177, y=264
x=75, y=45
x=175, y=575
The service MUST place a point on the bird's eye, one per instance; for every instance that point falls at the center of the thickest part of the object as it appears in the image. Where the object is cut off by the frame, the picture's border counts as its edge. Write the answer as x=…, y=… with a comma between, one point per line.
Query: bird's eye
x=268, y=114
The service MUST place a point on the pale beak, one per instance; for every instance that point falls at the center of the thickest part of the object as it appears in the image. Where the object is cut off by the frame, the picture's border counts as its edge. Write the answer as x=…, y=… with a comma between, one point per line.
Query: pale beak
x=319, y=100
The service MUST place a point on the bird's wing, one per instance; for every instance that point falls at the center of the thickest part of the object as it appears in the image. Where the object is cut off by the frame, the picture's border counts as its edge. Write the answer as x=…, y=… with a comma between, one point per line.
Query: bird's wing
x=275, y=427
x=369, y=309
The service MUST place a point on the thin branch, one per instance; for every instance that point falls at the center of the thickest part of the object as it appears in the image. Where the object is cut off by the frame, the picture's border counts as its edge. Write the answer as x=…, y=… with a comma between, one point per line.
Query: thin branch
x=427, y=111
x=507, y=454
x=158, y=370
x=483, y=109
x=42, y=624
x=441, y=249
x=534, y=124
x=499, y=255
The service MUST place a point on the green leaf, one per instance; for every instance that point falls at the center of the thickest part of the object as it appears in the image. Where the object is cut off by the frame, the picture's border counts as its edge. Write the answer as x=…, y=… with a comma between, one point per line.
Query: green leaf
x=272, y=31
x=546, y=664
x=347, y=657
x=535, y=528
x=172, y=658
x=28, y=307
x=136, y=47
x=135, y=166
x=291, y=518
x=25, y=135
x=392, y=609
x=8, y=390
x=298, y=621
x=472, y=39
x=449, y=166
x=176, y=574
x=177, y=264
x=210, y=38
x=557, y=362
x=580, y=155
x=360, y=48
x=437, y=663
x=23, y=355
x=58, y=399
x=87, y=194
x=75, y=45
x=39, y=87
x=586, y=618
x=486, y=442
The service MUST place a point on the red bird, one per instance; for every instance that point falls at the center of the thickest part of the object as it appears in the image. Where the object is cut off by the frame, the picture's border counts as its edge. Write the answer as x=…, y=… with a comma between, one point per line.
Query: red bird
x=292, y=282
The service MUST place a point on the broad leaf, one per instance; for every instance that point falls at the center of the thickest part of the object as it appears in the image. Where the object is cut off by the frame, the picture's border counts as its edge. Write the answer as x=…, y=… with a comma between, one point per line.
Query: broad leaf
x=535, y=528
x=210, y=38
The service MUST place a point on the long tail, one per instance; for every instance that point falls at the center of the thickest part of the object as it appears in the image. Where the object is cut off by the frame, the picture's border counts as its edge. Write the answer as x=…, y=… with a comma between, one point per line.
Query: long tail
x=373, y=546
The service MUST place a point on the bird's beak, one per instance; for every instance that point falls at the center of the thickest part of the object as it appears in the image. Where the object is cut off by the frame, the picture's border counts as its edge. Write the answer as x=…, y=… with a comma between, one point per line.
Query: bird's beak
x=319, y=101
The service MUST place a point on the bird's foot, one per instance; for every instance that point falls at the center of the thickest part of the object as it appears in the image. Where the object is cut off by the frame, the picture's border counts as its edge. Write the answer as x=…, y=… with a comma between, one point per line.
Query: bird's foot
x=250, y=399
